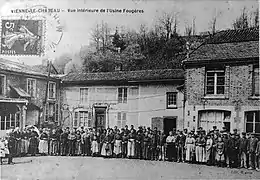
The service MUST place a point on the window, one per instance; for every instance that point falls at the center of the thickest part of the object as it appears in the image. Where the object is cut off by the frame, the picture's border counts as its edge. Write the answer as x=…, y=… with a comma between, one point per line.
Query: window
x=31, y=87
x=215, y=81
x=52, y=90
x=121, y=119
x=51, y=112
x=122, y=95
x=256, y=81
x=83, y=95
x=209, y=118
x=252, y=121
x=171, y=100
x=82, y=118
x=12, y=120
x=2, y=85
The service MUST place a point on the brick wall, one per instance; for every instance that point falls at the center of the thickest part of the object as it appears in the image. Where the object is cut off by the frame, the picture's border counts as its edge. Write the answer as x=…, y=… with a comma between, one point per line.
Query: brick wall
x=238, y=80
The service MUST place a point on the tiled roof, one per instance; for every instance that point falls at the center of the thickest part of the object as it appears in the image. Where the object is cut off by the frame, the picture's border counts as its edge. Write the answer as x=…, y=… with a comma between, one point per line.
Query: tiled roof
x=238, y=35
x=12, y=66
x=159, y=74
x=228, y=45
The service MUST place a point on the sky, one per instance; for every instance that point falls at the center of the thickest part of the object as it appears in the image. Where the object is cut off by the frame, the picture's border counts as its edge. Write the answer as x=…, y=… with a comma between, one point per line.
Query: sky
x=77, y=26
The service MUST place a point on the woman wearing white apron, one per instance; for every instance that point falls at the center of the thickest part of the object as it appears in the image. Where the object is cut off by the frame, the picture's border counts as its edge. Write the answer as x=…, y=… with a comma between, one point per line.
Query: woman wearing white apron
x=43, y=144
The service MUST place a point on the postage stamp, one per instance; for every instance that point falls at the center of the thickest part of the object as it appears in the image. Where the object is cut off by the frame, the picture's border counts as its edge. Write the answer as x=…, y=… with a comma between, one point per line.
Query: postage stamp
x=22, y=37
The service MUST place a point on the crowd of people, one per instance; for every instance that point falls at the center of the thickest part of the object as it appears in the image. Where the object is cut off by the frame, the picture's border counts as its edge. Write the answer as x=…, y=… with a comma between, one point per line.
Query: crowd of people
x=213, y=148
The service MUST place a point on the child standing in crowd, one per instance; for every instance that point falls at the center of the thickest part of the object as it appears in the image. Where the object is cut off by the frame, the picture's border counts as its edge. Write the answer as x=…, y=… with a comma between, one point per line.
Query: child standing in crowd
x=220, y=152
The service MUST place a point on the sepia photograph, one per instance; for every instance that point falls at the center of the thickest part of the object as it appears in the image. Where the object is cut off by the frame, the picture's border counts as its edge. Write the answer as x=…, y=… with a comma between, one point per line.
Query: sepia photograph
x=129, y=89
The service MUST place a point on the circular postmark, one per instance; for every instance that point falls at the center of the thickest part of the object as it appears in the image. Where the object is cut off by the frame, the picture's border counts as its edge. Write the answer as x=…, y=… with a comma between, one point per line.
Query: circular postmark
x=30, y=29
x=54, y=29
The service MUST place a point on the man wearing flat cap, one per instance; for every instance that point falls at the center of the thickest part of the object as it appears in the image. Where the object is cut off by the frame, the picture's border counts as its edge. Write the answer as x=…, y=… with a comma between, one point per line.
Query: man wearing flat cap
x=243, y=144
x=252, y=149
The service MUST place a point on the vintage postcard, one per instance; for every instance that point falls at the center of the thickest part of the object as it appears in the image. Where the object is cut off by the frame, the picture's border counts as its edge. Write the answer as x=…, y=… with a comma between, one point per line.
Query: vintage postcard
x=129, y=89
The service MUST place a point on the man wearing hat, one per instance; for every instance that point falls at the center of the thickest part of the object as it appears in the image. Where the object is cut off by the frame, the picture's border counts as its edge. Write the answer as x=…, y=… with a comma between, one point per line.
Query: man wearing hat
x=235, y=132
x=11, y=148
x=231, y=151
x=243, y=144
x=252, y=149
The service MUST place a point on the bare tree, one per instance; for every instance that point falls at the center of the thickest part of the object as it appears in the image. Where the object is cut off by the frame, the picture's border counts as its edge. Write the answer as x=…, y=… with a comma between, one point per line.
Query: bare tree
x=254, y=18
x=168, y=24
x=213, y=21
x=242, y=21
x=193, y=26
x=96, y=35
x=190, y=29
x=100, y=35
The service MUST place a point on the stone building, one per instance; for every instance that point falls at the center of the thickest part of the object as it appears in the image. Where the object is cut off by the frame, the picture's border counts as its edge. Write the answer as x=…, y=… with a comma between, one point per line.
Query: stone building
x=222, y=82
x=141, y=98
x=22, y=96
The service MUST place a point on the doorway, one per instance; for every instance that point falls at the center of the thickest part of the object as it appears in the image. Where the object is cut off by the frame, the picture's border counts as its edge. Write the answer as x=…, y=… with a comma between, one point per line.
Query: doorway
x=100, y=117
x=169, y=123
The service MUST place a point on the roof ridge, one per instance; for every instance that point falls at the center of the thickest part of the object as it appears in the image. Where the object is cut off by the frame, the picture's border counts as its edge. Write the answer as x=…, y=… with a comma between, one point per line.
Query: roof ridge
x=125, y=71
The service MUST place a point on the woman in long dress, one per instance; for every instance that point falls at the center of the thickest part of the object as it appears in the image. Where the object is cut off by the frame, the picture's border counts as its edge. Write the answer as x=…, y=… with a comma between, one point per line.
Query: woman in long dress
x=170, y=146
x=25, y=142
x=118, y=144
x=95, y=144
x=107, y=147
x=43, y=144
x=190, y=147
x=200, y=149
x=209, y=144
x=78, y=143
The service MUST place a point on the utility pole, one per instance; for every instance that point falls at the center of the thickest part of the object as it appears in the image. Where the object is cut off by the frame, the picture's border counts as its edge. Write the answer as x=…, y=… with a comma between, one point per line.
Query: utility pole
x=46, y=92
